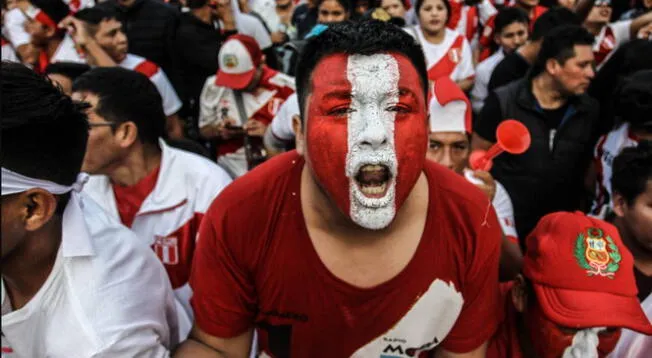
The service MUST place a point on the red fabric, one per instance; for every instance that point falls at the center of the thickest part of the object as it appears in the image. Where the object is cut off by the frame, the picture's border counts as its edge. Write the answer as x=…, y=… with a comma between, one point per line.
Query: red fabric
x=43, y=62
x=255, y=265
x=447, y=64
x=44, y=19
x=147, y=68
x=455, y=15
x=4, y=42
x=606, y=46
x=487, y=37
x=505, y=342
x=472, y=22
x=130, y=198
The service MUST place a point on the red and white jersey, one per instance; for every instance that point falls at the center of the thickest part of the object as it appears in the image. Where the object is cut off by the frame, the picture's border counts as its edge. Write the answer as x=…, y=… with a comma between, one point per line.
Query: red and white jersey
x=66, y=52
x=169, y=218
x=466, y=19
x=171, y=102
x=487, y=37
x=281, y=126
x=607, y=149
x=14, y=27
x=76, y=5
x=8, y=52
x=106, y=296
x=452, y=57
x=610, y=38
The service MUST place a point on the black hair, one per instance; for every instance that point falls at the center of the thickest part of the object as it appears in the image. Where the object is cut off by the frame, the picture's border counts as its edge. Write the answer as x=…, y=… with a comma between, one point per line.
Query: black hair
x=347, y=5
x=57, y=10
x=559, y=45
x=126, y=96
x=632, y=169
x=447, y=4
x=633, y=100
x=71, y=70
x=509, y=15
x=552, y=19
x=196, y=4
x=363, y=38
x=93, y=16
x=44, y=132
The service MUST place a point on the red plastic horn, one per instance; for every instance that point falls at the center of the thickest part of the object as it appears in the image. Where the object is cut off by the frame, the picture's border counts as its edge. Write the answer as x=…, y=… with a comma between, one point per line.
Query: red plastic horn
x=512, y=137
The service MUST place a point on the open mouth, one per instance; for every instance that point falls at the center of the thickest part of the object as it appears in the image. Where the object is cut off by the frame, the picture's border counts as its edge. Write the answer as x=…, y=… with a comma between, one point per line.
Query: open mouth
x=373, y=180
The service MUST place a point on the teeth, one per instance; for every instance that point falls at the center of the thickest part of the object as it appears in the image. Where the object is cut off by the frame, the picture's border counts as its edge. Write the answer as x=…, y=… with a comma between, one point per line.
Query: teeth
x=372, y=168
x=373, y=189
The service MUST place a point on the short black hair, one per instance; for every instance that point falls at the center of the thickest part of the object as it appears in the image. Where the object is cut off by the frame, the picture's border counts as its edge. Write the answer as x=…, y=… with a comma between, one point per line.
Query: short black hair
x=196, y=4
x=93, y=16
x=559, y=45
x=363, y=38
x=44, y=132
x=509, y=15
x=126, y=96
x=347, y=5
x=57, y=10
x=633, y=100
x=447, y=4
x=71, y=70
x=551, y=19
x=632, y=169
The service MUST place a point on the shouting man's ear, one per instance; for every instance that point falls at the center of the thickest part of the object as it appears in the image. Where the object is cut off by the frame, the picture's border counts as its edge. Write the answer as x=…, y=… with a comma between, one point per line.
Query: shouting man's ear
x=39, y=207
x=300, y=139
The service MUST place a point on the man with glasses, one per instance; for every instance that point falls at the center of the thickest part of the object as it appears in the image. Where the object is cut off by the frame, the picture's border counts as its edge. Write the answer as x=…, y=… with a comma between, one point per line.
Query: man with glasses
x=160, y=192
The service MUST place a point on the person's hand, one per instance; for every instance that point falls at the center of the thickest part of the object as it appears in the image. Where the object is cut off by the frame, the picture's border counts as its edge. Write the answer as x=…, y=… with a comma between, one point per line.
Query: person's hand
x=645, y=33
x=488, y=185
x=278, y=37
x=226, y=13
x=77, y=29
x=223, y=130
x=255, y=128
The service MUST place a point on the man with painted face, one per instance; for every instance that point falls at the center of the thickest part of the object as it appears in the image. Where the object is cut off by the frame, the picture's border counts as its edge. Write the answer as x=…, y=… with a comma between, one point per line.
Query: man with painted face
x=576, y=292
x=353, y=245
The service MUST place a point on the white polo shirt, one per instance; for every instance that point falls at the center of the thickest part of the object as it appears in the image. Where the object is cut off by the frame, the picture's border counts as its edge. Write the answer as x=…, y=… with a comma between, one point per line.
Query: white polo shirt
x=107, y=296
x=483, y=75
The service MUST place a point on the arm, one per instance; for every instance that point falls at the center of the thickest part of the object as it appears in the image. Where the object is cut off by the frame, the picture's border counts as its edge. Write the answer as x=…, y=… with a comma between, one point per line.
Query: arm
x=77, y=29
x=639, y=23
x=202, y=345
x=479, y=352
x=466, y=84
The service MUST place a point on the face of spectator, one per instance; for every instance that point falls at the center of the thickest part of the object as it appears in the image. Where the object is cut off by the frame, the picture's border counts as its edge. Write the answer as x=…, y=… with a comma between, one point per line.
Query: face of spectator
x=512, y=37
x=527, y=4
x=433, y=16
x=647, y=4
x=569, y=4
x=394, y=8
x=450, y=149
x=40, y=34
x=361, y=6
x=575, y=75
x=600, y=13
x=365, y=134
x=63, y=81
x=283, y=3
x=331, y=11
x=638, y=216
x=110, y=37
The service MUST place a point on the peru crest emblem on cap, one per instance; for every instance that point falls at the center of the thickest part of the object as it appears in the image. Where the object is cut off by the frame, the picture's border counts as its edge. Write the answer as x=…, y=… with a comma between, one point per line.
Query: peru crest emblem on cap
x=597, y=253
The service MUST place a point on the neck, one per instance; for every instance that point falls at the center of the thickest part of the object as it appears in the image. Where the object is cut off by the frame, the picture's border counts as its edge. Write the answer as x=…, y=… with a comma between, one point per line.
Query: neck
x=136, y=165
x=285, y=7
x=529, y=51
x=642, y=255
x=204, y=14
x=594, y=27
x=434, y=37
x=27, y=267
x=546, y=93
x=52, y=46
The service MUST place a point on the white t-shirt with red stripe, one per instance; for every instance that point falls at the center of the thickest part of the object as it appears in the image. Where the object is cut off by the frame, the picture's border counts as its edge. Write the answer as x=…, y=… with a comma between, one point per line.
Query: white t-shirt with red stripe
x=469, y=18
x=610, y=38
x=452, y=57
x=8, y=52
x=608, y=148
x=171, y=102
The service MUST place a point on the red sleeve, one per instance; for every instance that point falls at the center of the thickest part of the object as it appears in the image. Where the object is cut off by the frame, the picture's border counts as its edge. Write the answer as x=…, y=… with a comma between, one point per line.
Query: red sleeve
x=223, y=298
x=482, y=310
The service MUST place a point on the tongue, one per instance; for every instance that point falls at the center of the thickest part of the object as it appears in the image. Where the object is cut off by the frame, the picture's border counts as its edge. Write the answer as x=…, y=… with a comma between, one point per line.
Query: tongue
x=371, y=177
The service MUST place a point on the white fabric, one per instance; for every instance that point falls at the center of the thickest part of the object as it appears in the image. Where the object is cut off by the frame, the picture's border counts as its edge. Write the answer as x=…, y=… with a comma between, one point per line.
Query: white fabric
x=9, y=54
x=66, y=52
x=502, y=203
x=186, y=185
x=267, y=10
x=483, y=75
x=234, y=58
x=448, y=118
x=633, y=344
x=434, y=53
x=249, y=25
x=14, y=28
x=171, y=102
x=106, y=296
x=621, y=31
x=281, y=125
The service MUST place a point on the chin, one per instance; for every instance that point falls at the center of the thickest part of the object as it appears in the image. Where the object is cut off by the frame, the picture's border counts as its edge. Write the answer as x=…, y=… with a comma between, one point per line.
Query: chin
x=373, y=218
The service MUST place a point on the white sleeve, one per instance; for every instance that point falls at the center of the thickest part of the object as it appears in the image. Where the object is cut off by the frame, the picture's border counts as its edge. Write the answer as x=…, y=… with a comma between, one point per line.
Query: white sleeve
x=505, y=211
x=171, y=102
x=281, y=125
x=251, y=26
x=465, y=69
x=622, y=31
x=479, y=92
x=208, y=101
x=15, y=26
x=486, y=10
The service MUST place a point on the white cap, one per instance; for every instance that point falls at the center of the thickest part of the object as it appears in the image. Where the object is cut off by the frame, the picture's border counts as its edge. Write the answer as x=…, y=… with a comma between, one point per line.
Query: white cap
x=449, y=108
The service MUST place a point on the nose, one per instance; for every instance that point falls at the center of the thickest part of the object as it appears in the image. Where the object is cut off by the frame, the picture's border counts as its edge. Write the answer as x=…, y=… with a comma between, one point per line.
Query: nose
x=374, y=133
x=121, y=38
x=590, y=72
x=447, y=159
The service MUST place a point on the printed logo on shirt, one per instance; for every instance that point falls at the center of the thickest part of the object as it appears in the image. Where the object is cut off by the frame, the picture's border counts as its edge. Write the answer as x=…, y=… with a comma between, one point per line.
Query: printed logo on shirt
x=7, y=351
x=596, y=253
x=167, y=249
x=455, y=55
x=230, y=61
x=273, y=105
x=397, y=348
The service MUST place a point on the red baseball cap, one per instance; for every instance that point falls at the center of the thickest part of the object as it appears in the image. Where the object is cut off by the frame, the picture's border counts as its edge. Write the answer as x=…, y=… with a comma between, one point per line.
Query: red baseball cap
x=239, y=58
x=582, y=273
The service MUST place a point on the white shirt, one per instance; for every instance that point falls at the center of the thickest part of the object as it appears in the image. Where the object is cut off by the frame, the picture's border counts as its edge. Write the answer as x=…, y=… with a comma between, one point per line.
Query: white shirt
x=14, y=28
x=502, y=203
x=8, y=53
x=435, y=53
x=107, y=296
x=605, y=46
x=171, y=102
x=66, y=52
x=170, y=215
x=281, y=126
x=483, y=75
x=250, y=25
x=633, y=344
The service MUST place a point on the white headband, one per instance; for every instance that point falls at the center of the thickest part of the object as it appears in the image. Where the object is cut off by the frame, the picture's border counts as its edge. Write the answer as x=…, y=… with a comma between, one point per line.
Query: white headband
x=13, y=183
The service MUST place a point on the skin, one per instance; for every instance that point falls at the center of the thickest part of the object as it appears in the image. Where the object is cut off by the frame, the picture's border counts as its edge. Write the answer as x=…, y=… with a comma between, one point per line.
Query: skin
x=569, y=4
x=432, y=17
x=64, y=82
x=394, y=8
x=512, y=37
x=330, y=11
x=527, y=4
x=634, y=223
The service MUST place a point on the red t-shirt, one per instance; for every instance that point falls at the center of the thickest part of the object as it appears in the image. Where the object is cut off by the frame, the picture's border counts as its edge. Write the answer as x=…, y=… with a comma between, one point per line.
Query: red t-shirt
x=255, y=266
x=505, y=342
x=130, y=198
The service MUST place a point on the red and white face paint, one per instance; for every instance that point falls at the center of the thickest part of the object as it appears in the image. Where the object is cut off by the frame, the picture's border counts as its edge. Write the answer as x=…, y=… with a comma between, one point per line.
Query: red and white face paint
x=366, y=133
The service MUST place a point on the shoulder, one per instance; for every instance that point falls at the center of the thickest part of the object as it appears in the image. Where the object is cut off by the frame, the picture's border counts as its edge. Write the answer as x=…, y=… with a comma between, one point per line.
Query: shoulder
x=281, y=81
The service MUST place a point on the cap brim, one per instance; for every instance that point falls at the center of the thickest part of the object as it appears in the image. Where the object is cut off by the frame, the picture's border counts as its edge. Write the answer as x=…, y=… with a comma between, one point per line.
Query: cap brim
x=234, y=81
x=578, y=309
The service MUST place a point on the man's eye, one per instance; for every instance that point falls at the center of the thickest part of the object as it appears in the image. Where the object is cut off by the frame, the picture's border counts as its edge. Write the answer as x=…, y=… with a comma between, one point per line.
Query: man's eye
x=434, y=145
x=341, y=111
x=460, y=147
x=399, y=109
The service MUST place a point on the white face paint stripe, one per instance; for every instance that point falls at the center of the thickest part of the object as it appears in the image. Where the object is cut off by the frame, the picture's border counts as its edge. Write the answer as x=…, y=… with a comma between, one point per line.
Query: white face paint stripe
x=370, y=137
